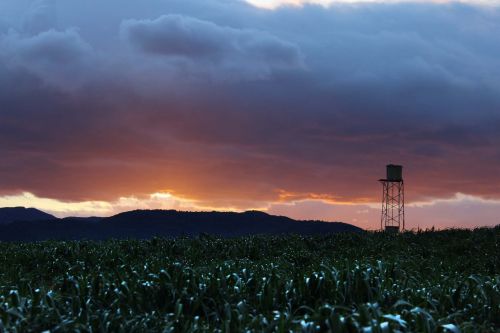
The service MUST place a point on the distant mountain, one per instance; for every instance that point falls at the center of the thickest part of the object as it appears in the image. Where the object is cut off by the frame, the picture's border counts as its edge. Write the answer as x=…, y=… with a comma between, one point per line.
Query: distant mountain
x=13, y=214
x=143, y=224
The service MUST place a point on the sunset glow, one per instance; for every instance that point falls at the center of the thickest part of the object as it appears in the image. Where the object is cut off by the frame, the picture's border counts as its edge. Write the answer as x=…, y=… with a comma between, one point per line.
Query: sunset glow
x=461, y=210
x=221, y=105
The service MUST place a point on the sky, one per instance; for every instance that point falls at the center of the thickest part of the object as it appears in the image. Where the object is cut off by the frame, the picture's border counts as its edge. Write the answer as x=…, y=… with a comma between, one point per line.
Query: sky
x=291, y=107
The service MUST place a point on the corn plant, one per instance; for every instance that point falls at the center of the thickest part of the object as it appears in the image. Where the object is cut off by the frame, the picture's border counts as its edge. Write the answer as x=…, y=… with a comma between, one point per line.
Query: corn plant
x=444, y=281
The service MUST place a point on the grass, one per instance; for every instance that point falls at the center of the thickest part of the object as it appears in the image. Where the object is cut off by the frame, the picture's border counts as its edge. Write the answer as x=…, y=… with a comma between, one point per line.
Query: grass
x=444, y=281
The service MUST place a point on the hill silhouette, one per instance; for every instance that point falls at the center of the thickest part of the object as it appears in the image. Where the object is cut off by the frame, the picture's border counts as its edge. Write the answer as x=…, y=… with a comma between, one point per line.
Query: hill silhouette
x=13, y=214
x=143, y=224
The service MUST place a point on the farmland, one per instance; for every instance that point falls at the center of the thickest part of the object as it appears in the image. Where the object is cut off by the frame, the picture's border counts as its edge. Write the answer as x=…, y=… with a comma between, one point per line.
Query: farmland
x=443, y=281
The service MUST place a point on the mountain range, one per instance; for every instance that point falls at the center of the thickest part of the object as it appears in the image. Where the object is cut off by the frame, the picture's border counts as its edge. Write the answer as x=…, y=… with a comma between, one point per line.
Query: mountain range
x=28, y=224
x=13, y=214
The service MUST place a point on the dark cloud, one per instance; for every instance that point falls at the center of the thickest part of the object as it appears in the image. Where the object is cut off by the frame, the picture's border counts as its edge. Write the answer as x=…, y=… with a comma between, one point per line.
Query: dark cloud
x=231, y=105
x=57, y=57
x=219, y=49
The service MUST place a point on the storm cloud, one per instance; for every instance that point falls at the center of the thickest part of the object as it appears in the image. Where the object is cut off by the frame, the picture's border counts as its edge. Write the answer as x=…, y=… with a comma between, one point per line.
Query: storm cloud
x=232, y=105
x=60, y=58
x=205, y=45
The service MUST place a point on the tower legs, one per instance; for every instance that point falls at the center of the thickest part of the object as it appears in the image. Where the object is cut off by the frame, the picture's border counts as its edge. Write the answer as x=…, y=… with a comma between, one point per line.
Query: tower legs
x=393, y=207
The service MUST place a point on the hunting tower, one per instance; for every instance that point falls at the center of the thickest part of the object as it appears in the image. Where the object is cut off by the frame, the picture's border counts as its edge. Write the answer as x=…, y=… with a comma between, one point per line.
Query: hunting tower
x=393, y=200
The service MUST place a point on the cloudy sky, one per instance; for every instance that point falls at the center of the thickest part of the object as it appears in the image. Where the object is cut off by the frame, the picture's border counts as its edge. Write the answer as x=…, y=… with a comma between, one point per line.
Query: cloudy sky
x=288, y=106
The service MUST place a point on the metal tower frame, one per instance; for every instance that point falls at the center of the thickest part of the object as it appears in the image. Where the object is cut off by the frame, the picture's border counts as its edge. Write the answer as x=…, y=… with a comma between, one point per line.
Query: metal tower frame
x=393, y=205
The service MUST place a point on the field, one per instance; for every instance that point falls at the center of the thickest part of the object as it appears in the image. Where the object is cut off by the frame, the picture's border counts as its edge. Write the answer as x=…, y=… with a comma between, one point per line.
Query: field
x=446, y=281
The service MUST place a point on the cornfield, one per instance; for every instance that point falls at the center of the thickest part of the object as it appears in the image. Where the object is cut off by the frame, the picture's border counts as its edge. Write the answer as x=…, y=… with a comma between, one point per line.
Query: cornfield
x=432, y=281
